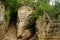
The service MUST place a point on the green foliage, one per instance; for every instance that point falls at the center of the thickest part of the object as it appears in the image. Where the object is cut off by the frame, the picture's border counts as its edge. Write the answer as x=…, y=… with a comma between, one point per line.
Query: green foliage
x=7, y=14
x=7, y=17
x=57, y=6
x=10, y=3
x=40, y=6
x=52, y=12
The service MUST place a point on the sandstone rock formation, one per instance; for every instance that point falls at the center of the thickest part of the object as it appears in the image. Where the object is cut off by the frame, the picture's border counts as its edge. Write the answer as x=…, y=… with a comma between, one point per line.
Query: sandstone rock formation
x=2, y=20
x=40, y=28
x=47, y=30
x=11, y=33
x=23, y=14
x=24, y=23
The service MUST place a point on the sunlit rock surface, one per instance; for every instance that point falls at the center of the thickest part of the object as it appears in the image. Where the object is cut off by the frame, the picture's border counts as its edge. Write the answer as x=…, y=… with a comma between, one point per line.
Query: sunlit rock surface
x=47, y=31
x=23, y=16
x=11, y=33
x=40, y=26
x=2, y=20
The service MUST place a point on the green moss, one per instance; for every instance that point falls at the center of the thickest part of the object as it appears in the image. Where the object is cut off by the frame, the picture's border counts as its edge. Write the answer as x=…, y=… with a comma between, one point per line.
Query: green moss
x=7, y=17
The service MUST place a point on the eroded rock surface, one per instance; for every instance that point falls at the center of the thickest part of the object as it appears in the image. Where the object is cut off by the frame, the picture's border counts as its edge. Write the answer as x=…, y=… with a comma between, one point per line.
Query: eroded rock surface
x=23, y=14
x=47, y=31
x=11, y=33
x=25, y=30
x=2, y=20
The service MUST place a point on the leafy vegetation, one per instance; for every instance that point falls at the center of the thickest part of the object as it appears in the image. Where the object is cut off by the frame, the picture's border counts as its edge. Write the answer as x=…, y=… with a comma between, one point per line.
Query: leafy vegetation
x=39, y=6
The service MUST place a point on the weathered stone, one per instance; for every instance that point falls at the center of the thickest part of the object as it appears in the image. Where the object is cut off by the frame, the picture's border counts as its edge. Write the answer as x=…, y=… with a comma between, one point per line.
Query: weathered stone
x=2, y=10
x=26, y=35
x=11, y=33
x=47, y=31
x=2, y=20
x=23, y=16
x=40, y=26
x=34, y=37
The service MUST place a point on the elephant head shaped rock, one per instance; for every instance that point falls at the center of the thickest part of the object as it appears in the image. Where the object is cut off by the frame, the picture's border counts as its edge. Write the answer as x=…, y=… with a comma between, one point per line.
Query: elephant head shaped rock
x=23, y=14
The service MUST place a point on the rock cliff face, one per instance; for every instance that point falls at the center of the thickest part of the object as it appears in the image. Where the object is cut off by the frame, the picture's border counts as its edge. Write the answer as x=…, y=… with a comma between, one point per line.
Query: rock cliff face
x=2, y=10
x=23, y=14
x=11, y=33
x=46, y=30
x=2, y=20
x=40, y=28
x=24, y=22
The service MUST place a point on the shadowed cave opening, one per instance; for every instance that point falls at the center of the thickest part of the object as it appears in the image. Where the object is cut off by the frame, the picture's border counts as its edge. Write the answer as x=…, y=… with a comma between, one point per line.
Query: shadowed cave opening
x=13, y=17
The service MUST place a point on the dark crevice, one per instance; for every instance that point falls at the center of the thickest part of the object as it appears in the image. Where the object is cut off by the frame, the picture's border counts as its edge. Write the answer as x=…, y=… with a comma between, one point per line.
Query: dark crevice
x=13, y=16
